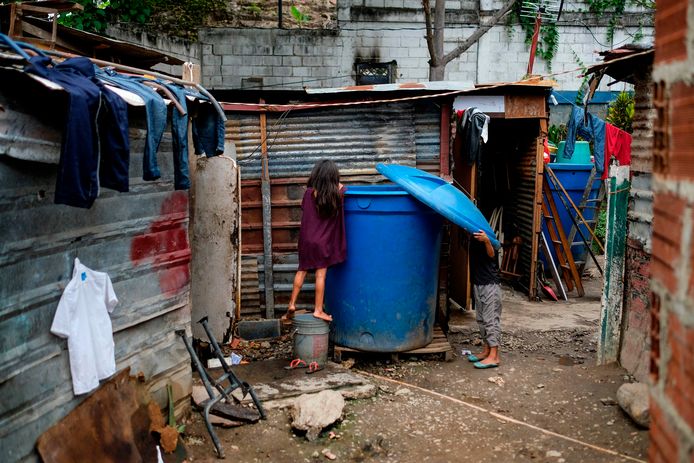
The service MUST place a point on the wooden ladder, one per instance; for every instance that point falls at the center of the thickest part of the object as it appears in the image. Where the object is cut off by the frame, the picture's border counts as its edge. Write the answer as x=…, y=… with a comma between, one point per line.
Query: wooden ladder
x=587, y=204
x=560, y=241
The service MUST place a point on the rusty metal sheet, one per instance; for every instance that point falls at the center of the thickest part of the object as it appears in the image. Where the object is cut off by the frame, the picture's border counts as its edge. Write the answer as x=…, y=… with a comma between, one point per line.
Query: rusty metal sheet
x=356, y=138
x=427, y=121
x=139, y=238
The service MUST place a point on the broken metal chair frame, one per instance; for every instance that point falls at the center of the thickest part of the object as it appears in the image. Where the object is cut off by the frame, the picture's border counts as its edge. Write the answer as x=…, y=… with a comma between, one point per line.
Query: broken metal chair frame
x=225, y=392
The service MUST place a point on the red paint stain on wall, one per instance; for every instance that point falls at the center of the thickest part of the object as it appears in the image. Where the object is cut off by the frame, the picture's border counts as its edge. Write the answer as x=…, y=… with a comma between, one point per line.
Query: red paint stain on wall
x=165, y=245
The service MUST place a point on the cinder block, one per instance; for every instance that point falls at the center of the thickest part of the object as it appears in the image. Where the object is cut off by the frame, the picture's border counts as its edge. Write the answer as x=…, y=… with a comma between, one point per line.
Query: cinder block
x=222, y=49
x=301, y=71
x=291, y=61
x=271, y=60
x=312, y=61
x=283, y=50
x=259, y=329
x=282, y=71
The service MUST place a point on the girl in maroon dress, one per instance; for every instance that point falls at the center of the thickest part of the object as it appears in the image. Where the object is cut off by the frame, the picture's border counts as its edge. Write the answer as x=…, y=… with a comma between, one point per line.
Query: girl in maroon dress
x=322, y=240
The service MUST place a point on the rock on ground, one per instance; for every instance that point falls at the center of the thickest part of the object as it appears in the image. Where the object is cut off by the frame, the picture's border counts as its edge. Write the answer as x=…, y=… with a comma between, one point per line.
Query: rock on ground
x=314, y=412
x=634, y=400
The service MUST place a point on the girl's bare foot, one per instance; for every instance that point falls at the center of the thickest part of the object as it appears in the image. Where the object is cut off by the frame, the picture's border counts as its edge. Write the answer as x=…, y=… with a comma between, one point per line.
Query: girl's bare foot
x=289, y=315
x=323, y=316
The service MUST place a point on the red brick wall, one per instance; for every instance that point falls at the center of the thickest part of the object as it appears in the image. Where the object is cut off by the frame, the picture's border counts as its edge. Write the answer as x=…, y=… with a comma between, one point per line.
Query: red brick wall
x=667, y=236
x=681, y=131
x=671, y=31
x=672, y=341
x=634, y=352
x=664, y=447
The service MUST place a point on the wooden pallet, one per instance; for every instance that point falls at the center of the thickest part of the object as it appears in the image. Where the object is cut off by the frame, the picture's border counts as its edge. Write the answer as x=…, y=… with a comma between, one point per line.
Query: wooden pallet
x=439, y=345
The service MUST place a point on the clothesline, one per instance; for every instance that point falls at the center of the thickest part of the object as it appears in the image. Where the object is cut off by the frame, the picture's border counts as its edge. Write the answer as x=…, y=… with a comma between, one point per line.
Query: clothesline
x=128, y=69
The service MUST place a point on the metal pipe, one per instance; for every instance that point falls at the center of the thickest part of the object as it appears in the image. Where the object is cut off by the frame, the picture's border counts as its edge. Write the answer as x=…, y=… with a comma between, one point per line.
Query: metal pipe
x=267, y=220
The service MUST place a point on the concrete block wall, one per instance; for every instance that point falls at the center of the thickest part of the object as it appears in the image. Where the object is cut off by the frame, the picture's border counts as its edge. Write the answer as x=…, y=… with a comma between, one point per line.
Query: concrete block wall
x=387, y=30
x=383, y=31
x=672, y=401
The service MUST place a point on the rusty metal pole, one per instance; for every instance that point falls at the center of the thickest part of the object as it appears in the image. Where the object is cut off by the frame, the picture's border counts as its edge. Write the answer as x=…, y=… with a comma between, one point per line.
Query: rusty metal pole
x=267, y=219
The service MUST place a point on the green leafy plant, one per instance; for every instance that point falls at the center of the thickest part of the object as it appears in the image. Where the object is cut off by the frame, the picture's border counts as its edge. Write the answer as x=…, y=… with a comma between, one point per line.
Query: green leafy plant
x=600, y=229
x=300, y=17
x=548, y=41
x=620, y=112
x=253, y=9
x=614, y=10
x=581, y=93
x=182, y=18
x=556, y=133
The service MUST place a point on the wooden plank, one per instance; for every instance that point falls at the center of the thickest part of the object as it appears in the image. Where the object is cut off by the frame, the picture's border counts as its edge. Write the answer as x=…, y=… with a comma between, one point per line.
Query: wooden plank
x=439, y=345
x=80, y=435
x=615, y=249
x=565, y=246
x=525, y=106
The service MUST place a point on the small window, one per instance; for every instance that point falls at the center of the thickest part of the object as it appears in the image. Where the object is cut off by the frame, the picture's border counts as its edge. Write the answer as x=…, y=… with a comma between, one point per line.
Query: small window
x=375, y=73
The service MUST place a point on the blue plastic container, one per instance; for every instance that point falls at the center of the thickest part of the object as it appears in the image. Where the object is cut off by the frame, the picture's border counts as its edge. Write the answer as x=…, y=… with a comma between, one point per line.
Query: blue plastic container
x=574, y=178
x=383, y=297
x=581, y=153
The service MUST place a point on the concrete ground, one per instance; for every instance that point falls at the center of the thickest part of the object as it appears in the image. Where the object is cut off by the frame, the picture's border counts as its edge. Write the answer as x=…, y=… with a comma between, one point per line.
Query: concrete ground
x=520, y=314
x=547, y=402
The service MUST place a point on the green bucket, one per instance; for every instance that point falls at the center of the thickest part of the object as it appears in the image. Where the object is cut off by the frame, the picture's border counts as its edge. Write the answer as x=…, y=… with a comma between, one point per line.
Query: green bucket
x=581, y=153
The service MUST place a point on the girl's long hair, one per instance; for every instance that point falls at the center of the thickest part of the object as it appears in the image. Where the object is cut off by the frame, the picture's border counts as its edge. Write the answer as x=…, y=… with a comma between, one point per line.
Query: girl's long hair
x=325, y=180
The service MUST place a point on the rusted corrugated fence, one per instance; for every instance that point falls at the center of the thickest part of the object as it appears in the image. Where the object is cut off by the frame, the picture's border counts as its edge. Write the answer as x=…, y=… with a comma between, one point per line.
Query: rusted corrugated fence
x=355, y=137
x=139, y=238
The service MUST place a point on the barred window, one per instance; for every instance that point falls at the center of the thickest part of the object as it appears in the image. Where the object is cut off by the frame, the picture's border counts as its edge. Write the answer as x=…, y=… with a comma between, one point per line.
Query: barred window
x=375, y=73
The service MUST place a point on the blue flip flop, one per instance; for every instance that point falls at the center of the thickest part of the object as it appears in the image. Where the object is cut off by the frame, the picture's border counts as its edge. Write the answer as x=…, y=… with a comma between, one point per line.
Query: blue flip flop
x=473, y=358
x=483, y=366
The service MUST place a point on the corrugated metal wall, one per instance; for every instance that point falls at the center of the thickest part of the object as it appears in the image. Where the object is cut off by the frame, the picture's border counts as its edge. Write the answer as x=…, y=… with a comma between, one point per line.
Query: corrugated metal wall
x=139, y=238
x=356, y=138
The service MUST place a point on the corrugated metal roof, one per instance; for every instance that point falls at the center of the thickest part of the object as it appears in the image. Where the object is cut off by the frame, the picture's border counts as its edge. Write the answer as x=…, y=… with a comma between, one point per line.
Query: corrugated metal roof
x=444, y=85
x=623, y=64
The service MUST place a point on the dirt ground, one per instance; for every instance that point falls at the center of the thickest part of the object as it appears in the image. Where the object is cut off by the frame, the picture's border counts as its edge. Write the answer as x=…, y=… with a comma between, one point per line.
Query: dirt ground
x=548, y=402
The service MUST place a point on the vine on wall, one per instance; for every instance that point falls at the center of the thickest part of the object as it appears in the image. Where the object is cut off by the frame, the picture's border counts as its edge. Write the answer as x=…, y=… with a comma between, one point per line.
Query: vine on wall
x=180, y=19
x=548, y=42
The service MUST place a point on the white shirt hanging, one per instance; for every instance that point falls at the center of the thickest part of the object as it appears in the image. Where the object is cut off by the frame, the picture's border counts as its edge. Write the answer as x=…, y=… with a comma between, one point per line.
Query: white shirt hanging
x=83, y=318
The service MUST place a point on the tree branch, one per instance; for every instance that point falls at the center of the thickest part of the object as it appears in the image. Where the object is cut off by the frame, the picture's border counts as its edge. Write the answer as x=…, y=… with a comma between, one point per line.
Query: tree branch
x=430, y=35
x=479, y=32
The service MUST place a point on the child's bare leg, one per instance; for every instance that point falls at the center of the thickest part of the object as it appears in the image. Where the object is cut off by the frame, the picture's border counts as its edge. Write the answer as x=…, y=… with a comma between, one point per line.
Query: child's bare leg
x=320, y=294
x=493, y=357
x=298, y=283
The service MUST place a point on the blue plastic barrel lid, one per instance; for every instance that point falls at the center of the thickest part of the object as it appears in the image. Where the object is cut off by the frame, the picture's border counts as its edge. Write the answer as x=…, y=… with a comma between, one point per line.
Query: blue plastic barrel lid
x=441, y=196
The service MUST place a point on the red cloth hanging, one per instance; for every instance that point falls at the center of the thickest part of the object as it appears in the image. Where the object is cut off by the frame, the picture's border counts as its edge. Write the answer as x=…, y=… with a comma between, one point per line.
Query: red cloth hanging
x=617, y=144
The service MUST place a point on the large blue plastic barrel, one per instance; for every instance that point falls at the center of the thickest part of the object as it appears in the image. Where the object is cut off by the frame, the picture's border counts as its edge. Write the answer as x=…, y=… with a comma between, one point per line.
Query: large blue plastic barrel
x=383, y=297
